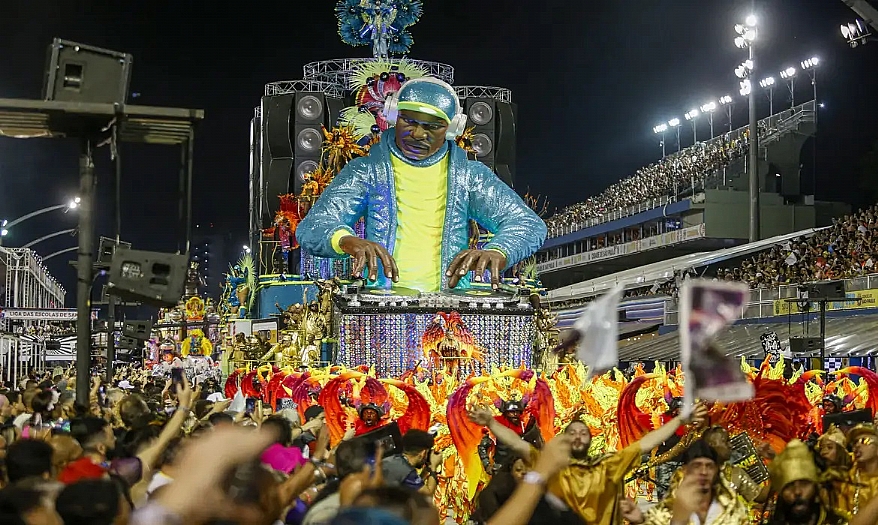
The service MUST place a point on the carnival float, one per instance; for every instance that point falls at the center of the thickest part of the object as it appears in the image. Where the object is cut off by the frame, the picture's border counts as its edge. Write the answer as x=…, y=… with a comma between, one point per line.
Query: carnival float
x=294, y=330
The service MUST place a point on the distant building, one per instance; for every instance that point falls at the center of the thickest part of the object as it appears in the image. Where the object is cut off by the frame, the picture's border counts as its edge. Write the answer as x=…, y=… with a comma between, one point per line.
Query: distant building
x=214, y=251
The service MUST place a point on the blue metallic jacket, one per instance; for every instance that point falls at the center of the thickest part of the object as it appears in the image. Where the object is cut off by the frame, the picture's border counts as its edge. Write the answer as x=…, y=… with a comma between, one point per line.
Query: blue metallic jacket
x=365, y=188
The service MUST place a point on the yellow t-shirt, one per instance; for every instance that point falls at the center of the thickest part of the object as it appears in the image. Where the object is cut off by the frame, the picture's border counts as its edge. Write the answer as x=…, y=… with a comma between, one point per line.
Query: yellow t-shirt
x=421, y=194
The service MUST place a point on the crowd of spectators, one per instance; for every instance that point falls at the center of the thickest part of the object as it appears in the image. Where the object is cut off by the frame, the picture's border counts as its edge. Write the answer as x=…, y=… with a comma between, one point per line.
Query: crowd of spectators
x=671, y=176
x=847, y=249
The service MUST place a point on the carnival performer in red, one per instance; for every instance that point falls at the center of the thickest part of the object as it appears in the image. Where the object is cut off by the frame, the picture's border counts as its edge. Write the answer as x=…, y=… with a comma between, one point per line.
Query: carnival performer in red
x=510, y=417
x=370, y=419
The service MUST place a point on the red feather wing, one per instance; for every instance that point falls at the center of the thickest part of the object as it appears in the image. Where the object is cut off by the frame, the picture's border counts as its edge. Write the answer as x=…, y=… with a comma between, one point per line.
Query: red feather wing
x=465, y=434
x=871, y=379
x=336, y=415
x=417, y=413
x=633, y=423
x=542, y=407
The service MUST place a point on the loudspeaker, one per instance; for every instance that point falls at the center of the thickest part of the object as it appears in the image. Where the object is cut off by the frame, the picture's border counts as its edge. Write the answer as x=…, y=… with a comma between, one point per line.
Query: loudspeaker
x=504, y=152
x=150, y=277
x=482, y=116
x=277, y=150
x=827, y=290
x=106, y=249
x=310, y=115
x=81, y=73
x=805, y=345
x=128, y=343
x=137, y=329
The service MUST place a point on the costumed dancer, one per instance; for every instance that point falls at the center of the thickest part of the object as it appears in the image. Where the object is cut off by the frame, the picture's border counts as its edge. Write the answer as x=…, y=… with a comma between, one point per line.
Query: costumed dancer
x=510, y=417
x=371, y=418
x=418, y=191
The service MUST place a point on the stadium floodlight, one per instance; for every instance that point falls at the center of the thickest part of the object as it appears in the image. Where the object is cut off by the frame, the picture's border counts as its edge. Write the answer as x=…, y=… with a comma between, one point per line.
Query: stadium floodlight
x=692, y=114
x=767, y=82
x=855, y=33
x=744, y=69
x=740, y=29
x=674, y=122
x=745, y=87
x=707, y=108
x=726, y=99
x=4, y=232
x=810, y=63
x=246, y=249
x=740, y=42
x=751, y=20
x=789, y=72
x=661, y=128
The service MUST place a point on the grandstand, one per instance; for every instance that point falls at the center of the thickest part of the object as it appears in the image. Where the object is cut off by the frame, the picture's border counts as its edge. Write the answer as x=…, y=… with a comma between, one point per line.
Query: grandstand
x=778, y=269
x=692, y=201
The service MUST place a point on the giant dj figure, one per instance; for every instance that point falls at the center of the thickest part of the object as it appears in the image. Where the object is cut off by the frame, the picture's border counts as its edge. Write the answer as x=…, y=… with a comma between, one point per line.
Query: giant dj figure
x=417, y=194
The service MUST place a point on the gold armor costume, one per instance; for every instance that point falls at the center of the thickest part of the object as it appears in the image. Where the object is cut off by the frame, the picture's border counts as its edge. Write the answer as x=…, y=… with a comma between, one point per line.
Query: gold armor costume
x=732, y=510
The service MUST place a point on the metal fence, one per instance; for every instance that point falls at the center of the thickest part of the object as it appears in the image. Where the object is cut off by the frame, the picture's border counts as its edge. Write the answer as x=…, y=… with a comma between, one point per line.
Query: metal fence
x=761, y=303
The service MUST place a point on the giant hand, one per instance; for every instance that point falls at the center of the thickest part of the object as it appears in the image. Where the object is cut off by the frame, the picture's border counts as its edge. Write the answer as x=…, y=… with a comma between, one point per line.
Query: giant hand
x=478, y=260
x=366, y=254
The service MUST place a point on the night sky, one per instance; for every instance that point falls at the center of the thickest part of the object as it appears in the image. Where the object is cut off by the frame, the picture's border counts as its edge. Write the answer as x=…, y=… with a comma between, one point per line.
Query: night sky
x=590, y=79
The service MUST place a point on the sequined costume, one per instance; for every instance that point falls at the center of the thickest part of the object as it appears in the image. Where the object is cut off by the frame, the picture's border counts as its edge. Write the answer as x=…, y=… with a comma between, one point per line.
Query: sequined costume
x=732, y=511
x=365, y=187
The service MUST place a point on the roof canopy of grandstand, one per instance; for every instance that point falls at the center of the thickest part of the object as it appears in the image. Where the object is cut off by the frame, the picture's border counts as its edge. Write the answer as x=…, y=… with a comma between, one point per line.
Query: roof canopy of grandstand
x=846, y=336
x=660, y=272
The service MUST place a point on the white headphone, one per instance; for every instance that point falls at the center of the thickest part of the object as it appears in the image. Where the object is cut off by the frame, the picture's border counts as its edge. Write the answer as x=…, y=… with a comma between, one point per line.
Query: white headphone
x=458, y=122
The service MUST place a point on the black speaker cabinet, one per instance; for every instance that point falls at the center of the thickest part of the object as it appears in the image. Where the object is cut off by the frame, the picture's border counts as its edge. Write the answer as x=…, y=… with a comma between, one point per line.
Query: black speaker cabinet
x=482, y=116
x=827, y=290
x=107, y=247
x=505, y=133
x=150, y=277
x=82, y=73
x=805, y=345
x=137, y=329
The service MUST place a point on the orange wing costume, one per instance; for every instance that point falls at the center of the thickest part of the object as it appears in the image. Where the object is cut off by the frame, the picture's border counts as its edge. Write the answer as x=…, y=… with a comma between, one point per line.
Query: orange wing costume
x=465, y=434
x=633, y=423
x=417, y=413
x=871, y=380
x=336, y=414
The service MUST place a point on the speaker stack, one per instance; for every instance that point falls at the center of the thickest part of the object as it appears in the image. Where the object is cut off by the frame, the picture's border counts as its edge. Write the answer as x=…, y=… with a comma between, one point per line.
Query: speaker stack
x=493, y=139
x=291, y=141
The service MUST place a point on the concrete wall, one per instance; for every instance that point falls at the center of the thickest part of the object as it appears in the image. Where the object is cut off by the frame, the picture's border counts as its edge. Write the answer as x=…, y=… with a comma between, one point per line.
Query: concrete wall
x=727, y=215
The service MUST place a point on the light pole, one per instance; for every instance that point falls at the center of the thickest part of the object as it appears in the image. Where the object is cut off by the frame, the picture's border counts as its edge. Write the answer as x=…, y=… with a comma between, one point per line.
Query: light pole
x=675, y=123
x=727, y=102
x=708, y=110
x=60, y=252
x=47, y=237
x=810, y=66
x=8, y=225
x=747, y=39
x=768, y=85
x=789, y=74
x=660, y=130
x=692, y=116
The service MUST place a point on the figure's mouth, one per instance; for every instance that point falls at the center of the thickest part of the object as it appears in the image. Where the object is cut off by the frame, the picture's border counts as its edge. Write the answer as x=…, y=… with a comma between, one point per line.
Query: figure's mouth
x=417, y=148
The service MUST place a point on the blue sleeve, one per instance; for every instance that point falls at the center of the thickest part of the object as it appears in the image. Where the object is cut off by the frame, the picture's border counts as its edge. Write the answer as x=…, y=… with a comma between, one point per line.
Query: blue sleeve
x=518, y=230
x=413, y=481
x=342, y=203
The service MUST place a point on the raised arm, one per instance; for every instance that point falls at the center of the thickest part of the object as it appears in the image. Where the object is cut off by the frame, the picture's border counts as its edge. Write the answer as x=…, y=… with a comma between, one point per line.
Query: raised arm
x=664, y=432
x=483, y=416
x=337, y=209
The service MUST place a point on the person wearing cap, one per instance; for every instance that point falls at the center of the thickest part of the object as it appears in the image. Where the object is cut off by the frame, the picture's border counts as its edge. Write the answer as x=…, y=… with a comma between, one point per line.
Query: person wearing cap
x=795, y=477
x=510, y=417
x=370, y=419
x=849, y=495
x=832, y=448
x=703, y=497
x=418, y=192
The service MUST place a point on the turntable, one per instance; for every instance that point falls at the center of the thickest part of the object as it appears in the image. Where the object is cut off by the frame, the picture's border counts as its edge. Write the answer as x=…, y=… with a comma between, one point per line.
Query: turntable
x=396, y=296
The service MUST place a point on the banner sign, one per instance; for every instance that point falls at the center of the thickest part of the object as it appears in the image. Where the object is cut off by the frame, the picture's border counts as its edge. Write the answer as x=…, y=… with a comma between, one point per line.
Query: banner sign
x=867, y=299
x=36, y=314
